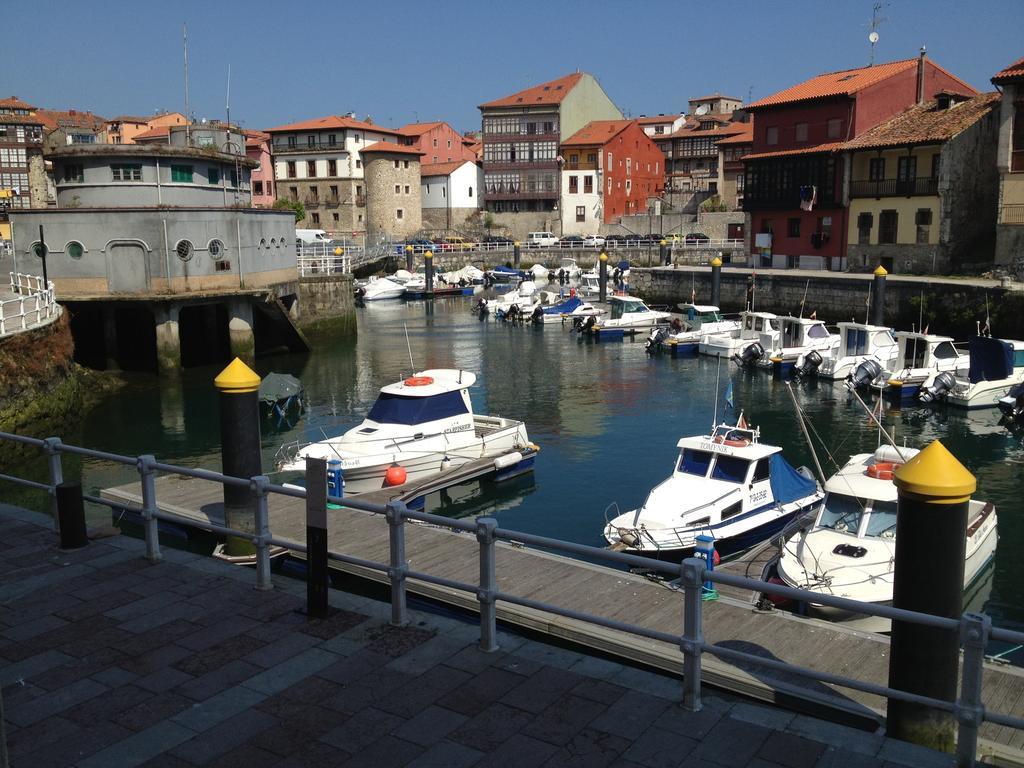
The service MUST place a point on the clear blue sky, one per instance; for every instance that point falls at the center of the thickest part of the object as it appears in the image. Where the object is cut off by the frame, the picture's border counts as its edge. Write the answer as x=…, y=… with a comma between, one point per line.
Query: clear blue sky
x=400, y=61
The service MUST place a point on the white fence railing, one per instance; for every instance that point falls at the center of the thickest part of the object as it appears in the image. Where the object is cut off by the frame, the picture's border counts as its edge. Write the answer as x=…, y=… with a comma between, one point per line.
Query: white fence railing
x=32, y=306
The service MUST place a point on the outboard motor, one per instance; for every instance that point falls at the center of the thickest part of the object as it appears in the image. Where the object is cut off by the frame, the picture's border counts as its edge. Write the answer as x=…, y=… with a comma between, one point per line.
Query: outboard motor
x=537, y=316
x=749, y=356
x=514, y=314
x=587, y=325
x=866, y=371
x=811, y=363
x=940, y=386
x=657, y=337
x=1012, y=406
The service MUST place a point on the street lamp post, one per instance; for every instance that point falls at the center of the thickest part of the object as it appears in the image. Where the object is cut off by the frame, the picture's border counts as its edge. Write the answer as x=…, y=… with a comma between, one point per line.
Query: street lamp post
x=42, y=255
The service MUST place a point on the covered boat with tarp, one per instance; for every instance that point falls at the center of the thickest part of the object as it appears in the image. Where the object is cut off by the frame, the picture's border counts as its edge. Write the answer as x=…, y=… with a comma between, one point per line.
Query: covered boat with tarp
x=997, y=365
x=281, y=395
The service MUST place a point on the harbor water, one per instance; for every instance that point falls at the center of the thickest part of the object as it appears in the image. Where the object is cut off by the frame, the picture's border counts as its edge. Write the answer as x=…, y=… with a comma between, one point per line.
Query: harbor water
x=606, y=416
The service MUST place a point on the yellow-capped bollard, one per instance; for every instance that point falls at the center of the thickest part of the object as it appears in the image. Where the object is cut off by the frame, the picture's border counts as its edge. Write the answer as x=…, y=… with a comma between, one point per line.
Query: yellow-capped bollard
x=408, y=257
x=602, y=276
x=878, y=297
x=663, y=256
x=516, y=253
x=240, y=454
x=428, y=261
x=934, y=490
x=716, y=281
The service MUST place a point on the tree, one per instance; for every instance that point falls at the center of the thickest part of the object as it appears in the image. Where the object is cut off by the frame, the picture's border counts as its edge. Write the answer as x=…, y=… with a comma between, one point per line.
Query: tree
x=291, y=205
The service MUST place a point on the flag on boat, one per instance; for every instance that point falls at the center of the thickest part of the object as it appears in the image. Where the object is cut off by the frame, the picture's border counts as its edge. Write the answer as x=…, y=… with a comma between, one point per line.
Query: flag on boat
x=926, y=329
x=741, y=422
x=814, y=315
x=728, y=394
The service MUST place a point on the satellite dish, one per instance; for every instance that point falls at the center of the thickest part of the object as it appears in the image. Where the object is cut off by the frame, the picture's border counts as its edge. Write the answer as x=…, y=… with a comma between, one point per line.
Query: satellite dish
x=703, y=109
x=873, y=38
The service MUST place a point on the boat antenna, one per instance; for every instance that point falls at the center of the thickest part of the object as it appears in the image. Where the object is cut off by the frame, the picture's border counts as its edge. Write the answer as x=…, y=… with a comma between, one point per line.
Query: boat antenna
x=409, y=347
x=803, y=428
x=867, y=306
x=718, y=376
x=871, y=413
x=920, y=312
x=806, y=285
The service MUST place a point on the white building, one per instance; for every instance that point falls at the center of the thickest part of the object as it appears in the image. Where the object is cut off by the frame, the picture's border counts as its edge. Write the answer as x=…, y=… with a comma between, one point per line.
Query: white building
x=661, y=126
x=450, y=193
x=582, y=209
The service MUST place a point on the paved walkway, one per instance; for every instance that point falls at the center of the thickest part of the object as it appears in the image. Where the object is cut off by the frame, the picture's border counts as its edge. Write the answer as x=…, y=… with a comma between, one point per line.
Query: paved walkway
x=109, y=661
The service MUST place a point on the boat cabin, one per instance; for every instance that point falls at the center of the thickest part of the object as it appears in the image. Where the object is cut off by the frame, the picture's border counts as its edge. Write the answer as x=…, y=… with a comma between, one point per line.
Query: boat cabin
x=924, y=350
x=426, y=397
x=862, y=339
x=697, y=315
x=623, y=306
x=994, y=359
x=756, y=323
x=797, y=332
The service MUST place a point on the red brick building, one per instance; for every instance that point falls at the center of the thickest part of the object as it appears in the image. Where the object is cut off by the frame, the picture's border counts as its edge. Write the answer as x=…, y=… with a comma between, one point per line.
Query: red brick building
x=438, y=141
x=793, y=176
x=611, y=169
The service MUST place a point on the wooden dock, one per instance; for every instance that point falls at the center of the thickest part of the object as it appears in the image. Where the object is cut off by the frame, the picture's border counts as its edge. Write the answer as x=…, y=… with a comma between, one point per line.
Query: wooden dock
x=730, y=621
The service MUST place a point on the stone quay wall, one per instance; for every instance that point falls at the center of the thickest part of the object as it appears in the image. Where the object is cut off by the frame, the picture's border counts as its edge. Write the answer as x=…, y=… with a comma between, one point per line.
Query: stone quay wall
x=325, y=306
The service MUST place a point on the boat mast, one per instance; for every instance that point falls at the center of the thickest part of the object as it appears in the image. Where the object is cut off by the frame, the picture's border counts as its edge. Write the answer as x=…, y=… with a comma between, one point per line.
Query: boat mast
x=806, y=286
x=718, y=376
x=409, y=347
x=807, y=436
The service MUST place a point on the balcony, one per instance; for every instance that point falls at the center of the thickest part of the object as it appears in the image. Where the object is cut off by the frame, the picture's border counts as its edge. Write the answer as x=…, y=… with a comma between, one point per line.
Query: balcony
x=332, y=201
x=1017, y=161
x=311, y=201
x=361, y=201
x=548, y=195
x=922, y=185
x=1012, y=214
x=491, y=138
x=521, y=165
x=319, y=146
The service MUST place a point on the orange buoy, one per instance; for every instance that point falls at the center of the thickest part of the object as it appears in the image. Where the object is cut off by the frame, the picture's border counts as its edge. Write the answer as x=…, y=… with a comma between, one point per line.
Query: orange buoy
x=882, y=470
x=395, y=475
x=418, y=381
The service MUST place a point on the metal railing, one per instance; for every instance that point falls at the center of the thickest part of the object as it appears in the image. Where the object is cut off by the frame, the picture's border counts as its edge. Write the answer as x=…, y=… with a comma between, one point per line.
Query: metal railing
x=1012, y=214
x=974, y=630
x=922, y=185
x=33, y=307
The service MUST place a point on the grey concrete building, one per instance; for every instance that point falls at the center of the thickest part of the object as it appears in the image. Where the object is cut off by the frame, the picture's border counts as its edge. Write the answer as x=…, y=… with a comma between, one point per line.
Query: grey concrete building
x=150, y=239
x=393, y=196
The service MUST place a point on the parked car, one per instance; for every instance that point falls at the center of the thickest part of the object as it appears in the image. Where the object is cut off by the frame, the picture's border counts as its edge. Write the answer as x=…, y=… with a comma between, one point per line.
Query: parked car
x=572, y=241
x=456, y=243
x=594, y=241
x=696, y=238
x=497, y=240
x=618, y=240
x=541, y=239
x=421, y=244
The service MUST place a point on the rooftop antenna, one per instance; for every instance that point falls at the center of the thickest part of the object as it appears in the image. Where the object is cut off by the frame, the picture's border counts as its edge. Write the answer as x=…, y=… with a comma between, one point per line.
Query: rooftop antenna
x=227, y=97
x=184, y=43
x=876, y=22
x=750, y=93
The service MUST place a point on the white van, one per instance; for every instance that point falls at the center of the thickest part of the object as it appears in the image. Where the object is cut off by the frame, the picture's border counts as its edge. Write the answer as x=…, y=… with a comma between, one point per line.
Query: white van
x=541, y=239
x=311, y=236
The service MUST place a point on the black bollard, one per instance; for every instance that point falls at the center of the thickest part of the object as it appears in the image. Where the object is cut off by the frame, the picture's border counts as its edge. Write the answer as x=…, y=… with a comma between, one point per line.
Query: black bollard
x=316, y=538
x=408, y=258
x=239, y=449
x=878, y=297
x=934, y=490
x=71, y=516
x=663, y=253
x=716, y=282
x=602, y=279
x=428, y=263
x=515, y=254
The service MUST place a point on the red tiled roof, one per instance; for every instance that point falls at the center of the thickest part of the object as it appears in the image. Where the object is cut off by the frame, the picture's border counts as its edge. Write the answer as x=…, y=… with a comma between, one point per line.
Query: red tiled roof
x=1013, y=72
x=13, y=102
x=715, y=96
x=130, y=119
x=332, y=121
x=648, y=120
x=834, y=146
x=442, y=169
x=54, y=118
x=744, y=136
x=418, y=129
x=693, y=129
x=387, y=146
x=160, y=132
x=925, y=124
x=597, y=132
x=845, y=83
x=551, y=92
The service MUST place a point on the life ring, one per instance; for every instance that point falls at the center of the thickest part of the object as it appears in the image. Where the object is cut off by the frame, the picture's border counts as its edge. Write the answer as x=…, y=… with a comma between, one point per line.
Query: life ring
x=883, y=470
x=732, y=443
x=418, y=381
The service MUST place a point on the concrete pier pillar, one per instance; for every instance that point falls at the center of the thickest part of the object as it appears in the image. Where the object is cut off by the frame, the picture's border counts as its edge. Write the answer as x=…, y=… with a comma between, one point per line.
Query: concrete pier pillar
x=110, y=337
x=240, y=331
x=934, y=490
x=878, y=297
x=168, y=341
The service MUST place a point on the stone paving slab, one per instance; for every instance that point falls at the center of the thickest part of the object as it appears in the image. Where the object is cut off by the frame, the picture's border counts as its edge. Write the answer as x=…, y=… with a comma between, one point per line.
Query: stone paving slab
x=109, y=661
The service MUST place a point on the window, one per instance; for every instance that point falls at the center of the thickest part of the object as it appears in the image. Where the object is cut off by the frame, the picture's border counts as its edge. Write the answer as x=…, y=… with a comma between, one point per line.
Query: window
x=609, y=166
x=793, y=227
x=761, y=470
x=74, y=249
x=333, y=190
x=936, y=165
x=314, y=194
x=213, y=176
x=407, y=189
x=356, y=137
x=293, y=193
x=311, y=141
x=574, y=184
x=335, y=218
x=311, y=169
x=291, y=169
x=233, y=177
x=359, y=163
x=257, y=187
x=332, y=139
x=695, y=462
x=292, y=141
x=876, y=169
x=865, y=222
x=127, y=172
x=588, y=184
x=332, y=167
x=435, y=143
x=887, y=223
x=216, y=248
x=396, y=163
x=449, y=143
x=401, y=409
x=771, y=134
x=841, y=513
x=72, y=171
x=222, y=265
x=581, y=213
x=315, y=217
x=730, y=468
x=399, y=214
x=923, y=222
x=405, y=163
x=835, y=128
x=398, y=189
x=801, y=131
x=906, y=168
x=470, y=191
x=184, y=249
x=659, y=129
x=592, y=157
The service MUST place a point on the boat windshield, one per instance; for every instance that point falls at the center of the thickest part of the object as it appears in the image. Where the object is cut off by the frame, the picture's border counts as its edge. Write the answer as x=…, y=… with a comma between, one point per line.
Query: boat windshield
x=620, y=308
x=730, y=468
x=841, y=513
x=401, y=409
x=695, y=462
x=817, y=332
x=883, y=519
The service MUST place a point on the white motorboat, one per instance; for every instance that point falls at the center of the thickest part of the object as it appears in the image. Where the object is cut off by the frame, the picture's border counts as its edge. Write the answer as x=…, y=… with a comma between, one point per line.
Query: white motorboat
x=500, y=306
x=527, y=288
x=590, y=283
x=996, y=366
x=850, y=548
x=506, y=275
x=727, y=485
x=859, y=342
x=699, y=322
x=569, y=268
x=919, y=355
x=468, y=275
x=569, y=309
x=379, y=289
x=800, y=346
x=753, y=325
x=422, y=424
x=630, y=315
x=539, y=272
